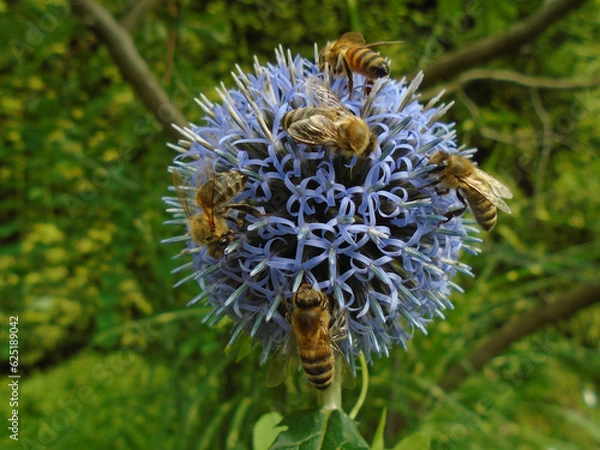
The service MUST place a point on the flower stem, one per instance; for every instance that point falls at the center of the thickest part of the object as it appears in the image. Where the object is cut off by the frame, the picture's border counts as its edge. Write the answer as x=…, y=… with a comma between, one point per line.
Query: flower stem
x=363, y=388
x=331, y=398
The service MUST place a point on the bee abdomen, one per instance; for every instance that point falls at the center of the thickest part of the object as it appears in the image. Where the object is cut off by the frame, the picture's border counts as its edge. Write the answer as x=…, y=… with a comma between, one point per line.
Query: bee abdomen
x=484, y=211
x=298, y=114
x=228, y=185
x=292, y=116
x=367, y=62
x=319, y=369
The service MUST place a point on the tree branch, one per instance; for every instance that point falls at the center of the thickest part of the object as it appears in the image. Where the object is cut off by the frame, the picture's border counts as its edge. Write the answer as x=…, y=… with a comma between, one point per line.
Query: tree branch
x=131, y=64
x=525, y=31
x=507, y=76
x=137, y=13
x=547, y=146
x=562, y=306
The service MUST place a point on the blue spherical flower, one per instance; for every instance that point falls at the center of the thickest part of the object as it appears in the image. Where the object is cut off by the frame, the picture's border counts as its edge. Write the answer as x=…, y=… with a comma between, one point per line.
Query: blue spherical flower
x=369, y=232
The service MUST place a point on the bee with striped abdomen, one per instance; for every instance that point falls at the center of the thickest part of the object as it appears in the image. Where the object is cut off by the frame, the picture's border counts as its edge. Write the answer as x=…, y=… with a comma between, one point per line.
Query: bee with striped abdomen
x=330, y=124
x=474, y=187
x=213, y=193
x=351, y=53
x=313, y=336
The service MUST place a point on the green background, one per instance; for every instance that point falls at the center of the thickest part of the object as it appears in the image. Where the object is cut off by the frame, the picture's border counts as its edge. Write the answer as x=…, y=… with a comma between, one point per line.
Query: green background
x=109, y=355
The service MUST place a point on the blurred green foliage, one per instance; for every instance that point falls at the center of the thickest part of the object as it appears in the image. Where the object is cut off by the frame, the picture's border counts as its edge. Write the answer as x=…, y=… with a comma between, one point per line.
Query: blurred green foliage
x=111, y=357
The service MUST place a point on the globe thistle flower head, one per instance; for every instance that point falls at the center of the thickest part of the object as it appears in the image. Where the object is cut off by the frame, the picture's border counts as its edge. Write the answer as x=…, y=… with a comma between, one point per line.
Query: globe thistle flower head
x=368, y=231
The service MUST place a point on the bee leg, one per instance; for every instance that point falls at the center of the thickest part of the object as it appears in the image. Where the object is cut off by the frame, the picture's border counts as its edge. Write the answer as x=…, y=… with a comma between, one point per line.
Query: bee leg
x=236, y=220
x=456, y=212
x=350, y=77
x=368, y=87
x=288, y=310
x=245, y=208
x=435, y=183
x=338, y=325
x=339, y=328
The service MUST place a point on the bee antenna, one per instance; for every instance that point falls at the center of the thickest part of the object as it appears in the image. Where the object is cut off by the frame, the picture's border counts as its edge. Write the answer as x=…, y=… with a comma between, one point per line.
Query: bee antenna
x=421, y=160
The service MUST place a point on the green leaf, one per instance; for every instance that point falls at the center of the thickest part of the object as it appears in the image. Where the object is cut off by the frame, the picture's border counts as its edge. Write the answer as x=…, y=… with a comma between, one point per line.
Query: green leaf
x=416, y=441
x=315, y=430
x=266, y=430
x=242, y=347
x=378, y=438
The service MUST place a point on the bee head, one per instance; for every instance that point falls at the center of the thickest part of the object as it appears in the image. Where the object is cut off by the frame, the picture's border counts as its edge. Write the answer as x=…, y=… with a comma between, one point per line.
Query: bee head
x=327, y=56
x=322, y=60
x=372, y=146
x=218, y=244
x=439, y=159
x=356, y=138
x=225, y=239
x=307, y=297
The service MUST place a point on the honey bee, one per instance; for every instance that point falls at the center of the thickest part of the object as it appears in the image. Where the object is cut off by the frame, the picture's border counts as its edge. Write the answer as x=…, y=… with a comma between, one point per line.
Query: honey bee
x=474, y=187
x=330, y=124
x=209, y=226
x=313, y=336
x=351, y=53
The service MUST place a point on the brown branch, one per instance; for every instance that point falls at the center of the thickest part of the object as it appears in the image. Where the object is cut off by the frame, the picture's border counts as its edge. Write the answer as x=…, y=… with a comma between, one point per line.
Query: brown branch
x=513, y=140
x=562, y=306
x=547, y=147
x=137, y=13
x=171, y=42
x=131, y=64
x=525, y=31
x=507, y=76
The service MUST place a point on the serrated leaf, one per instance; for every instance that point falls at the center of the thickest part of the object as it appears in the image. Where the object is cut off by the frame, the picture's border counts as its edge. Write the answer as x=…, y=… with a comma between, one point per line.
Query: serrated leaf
x=265, y=430
x=378, y=443
x=416, y=441
x=319, y=430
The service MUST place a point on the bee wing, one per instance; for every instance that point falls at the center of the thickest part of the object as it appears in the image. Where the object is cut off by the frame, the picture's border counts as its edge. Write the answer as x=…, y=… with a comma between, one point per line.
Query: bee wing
x=355, y=38
x=499, y=188
x=206, y=195
x=338, y=331
x=350, y=38
x=185, y=192
x=343, y=371
x=324, y=96
x=492, y=189
x=280, y=364
x=315, y=130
